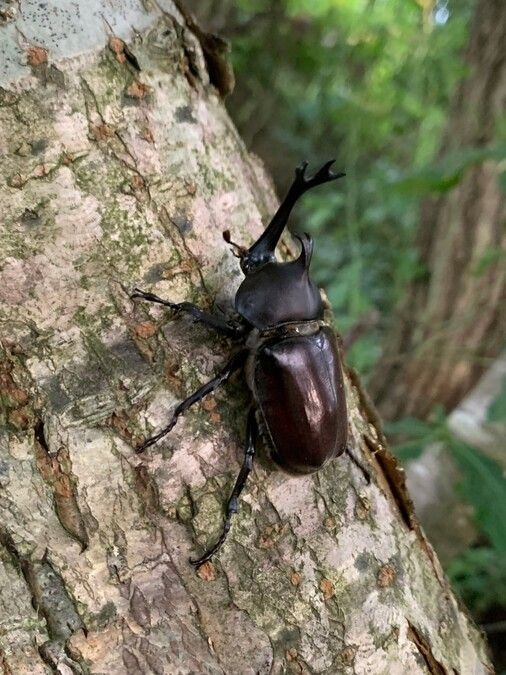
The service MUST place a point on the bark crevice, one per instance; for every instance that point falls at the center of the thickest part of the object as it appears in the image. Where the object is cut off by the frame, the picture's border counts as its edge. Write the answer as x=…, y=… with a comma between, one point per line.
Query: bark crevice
x=433, y=665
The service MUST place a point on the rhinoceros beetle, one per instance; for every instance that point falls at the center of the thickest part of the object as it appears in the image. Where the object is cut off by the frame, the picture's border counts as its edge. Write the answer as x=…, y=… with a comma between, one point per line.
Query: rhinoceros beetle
x=290, y=356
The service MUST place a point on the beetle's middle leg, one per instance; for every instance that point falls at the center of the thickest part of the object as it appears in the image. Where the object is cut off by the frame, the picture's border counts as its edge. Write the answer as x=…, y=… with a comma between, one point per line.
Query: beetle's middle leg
x=232, y=505
x=234, y=364
x=195, y=312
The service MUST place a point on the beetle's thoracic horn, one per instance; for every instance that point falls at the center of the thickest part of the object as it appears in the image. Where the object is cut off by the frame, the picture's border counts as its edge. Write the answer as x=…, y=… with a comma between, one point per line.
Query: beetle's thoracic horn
x=263, y=249
x=304, y=259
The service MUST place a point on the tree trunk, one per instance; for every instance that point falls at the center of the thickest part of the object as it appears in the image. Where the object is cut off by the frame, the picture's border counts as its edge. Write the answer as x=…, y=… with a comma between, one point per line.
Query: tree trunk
x=120, y=167
x=451, y=325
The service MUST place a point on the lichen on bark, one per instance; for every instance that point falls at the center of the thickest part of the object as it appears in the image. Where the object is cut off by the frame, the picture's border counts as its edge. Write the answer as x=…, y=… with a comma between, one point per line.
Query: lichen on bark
x=124, y=171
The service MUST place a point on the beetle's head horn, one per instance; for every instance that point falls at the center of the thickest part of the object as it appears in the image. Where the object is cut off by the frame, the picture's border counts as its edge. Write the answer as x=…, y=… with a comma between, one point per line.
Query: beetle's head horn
x=262, y=251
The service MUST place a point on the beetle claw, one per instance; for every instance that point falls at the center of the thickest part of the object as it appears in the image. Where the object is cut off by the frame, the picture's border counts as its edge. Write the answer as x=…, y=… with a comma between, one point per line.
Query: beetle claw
x=198, y=562
x=137, y=293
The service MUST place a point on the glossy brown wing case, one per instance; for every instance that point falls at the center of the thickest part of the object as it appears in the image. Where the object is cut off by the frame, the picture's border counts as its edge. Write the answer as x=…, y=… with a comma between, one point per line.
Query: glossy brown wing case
x=299, y=386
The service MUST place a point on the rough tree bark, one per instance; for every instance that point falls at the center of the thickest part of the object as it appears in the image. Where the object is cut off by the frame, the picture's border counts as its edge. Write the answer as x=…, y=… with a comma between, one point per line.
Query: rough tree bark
x=120, y=167
x=450, y=326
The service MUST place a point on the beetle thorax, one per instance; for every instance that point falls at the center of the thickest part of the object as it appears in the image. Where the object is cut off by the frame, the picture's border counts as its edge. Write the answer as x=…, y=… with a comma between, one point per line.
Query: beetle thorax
x=278, y=293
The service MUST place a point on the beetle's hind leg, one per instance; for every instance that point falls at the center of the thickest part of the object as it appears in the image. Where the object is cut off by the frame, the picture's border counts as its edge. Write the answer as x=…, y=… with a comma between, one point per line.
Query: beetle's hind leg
x=232, y=505
x=234, y=364
x=195, y=312
x=358, y=464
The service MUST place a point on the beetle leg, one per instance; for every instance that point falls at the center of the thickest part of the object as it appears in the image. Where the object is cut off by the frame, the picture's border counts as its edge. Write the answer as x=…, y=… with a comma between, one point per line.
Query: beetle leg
x=234, y=364
x=195, y=312
x=358, y=464
x=232, y=505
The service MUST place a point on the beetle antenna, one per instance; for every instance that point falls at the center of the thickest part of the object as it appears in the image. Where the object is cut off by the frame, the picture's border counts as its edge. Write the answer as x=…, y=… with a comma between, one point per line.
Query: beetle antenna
x=239, y=251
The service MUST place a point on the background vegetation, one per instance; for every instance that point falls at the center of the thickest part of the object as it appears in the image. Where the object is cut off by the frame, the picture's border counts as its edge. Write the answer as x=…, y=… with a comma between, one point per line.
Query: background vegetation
x=370, y=83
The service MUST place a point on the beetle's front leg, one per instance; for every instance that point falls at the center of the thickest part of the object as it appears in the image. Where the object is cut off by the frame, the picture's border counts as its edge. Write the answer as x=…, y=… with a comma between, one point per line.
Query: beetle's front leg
x=234, y=364
x=195, y=312
x=232, y=505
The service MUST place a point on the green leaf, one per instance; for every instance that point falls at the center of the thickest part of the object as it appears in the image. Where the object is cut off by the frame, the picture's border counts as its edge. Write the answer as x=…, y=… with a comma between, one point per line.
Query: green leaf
x=502, y=181
x=448, y=172
x=409, y=450
x=409, y=426
x=484, y=486
x=497, y=410
x=416, y=435
x=479, y=575
x=364, y=352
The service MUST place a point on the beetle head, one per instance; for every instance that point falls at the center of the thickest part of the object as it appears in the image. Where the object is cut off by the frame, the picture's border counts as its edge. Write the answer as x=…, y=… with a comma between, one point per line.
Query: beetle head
x=275, y=292
x=253, y=258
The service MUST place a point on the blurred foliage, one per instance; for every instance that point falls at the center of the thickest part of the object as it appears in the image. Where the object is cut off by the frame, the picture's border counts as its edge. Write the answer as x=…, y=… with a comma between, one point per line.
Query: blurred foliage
x=367, y=82
x=497, y=410
x=480, y=576
x=480, y=573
